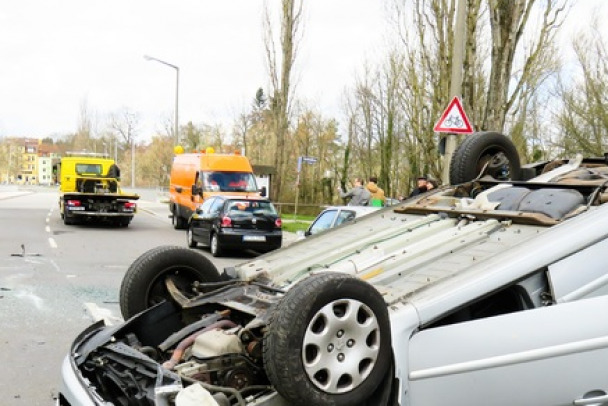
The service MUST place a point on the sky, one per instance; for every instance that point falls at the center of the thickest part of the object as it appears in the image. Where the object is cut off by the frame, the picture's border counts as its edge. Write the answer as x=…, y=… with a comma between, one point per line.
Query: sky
x=60, y=55
x=57, y=56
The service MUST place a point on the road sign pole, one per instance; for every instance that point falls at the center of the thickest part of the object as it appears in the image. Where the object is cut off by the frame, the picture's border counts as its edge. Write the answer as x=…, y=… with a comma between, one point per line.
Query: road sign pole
x=450, y=147
x=456, y=84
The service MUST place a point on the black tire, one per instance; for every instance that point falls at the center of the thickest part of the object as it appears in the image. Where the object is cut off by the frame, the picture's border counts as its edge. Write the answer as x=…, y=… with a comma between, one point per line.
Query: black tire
x=479, y=149
x=215, y=247
x=289, y=344
x=179, y=222
x=68, y=219
x=121, y=222
x=143, y=285
x=190, y=237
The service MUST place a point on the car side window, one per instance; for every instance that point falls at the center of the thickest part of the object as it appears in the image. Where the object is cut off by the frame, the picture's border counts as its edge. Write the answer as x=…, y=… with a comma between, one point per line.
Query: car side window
x=206, y=205
x=216, y=206
x=324, y=222
x=526, y=294
x=344, y=216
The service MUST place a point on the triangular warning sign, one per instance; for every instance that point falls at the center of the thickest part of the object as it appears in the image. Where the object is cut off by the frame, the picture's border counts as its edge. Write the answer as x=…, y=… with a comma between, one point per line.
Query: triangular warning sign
x=454, y=119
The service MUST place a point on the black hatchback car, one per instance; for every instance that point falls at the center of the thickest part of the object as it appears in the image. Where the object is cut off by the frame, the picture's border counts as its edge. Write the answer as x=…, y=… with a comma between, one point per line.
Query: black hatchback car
x=235, y=222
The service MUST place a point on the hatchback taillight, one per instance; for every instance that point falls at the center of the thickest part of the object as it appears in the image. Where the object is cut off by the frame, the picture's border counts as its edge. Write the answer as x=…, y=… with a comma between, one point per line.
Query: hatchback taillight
x=130, y=205
x=278, y=222
x=74, y=203
x=226, y=221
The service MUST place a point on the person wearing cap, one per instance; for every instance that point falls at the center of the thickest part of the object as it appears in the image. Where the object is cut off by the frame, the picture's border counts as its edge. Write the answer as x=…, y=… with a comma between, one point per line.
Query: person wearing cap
x=421, y=186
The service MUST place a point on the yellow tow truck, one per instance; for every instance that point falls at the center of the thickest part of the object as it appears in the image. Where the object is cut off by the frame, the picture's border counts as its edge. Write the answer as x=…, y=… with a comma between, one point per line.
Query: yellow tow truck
x=90, y=191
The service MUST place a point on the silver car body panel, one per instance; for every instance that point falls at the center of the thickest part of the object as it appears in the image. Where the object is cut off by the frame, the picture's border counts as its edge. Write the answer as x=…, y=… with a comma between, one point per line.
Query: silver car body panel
x=430, y=265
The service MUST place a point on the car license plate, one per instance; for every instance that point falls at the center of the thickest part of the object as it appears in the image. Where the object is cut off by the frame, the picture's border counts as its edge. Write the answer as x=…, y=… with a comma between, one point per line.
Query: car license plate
x=254, y=238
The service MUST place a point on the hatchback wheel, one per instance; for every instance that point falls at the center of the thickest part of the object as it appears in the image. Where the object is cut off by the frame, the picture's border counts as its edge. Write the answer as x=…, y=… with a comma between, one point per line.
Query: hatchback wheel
x=190, y=237
x=215, y=247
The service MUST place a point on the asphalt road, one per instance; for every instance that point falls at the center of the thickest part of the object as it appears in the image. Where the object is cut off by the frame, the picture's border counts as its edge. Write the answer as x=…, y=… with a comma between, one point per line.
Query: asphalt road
x=55, y=280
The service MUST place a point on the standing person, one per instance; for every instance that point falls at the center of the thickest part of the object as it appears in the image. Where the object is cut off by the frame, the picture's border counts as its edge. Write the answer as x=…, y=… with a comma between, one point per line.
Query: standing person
x=359, y=196
x=421, y=186
x=377, y=194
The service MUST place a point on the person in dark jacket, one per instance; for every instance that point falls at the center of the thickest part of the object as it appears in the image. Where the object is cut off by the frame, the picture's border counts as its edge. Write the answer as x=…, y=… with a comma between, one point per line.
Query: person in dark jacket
x=421, y=186
x=359, y=195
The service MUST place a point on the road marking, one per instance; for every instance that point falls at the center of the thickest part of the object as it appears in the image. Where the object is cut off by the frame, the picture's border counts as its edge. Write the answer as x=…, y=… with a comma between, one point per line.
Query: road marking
x=47, y=229
x=52, y=242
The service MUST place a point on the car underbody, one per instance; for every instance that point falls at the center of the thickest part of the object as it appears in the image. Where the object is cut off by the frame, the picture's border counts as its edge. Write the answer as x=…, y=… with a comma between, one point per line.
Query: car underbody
x=230, y=340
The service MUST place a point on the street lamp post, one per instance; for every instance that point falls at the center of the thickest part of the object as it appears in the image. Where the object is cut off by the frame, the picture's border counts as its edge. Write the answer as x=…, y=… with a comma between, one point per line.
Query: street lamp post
x=151, y=58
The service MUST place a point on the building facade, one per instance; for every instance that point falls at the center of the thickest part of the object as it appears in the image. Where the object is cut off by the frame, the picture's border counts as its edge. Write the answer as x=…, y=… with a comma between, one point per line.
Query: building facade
x=27, y=161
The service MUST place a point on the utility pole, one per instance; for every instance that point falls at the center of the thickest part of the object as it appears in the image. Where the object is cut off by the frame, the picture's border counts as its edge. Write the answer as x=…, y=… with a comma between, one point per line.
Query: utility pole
x=456, y=82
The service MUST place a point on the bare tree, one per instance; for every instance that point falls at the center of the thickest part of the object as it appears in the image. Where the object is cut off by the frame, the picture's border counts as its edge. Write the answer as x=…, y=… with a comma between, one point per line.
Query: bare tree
x=82, y=139
x=125, y=124
x=508, y=20
x=280, y=69
x=584, y=118
x=192, y=137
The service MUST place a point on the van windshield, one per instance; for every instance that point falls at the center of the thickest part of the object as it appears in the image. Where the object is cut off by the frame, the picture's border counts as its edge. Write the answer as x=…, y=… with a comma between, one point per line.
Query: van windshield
x=228, y=182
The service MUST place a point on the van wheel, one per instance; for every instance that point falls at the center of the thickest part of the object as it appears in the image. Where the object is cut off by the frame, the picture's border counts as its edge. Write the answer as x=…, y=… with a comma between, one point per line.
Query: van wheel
x=179, y=223
x=328, y=341
x=485, y=153
x=215, y=247
x=144, y=283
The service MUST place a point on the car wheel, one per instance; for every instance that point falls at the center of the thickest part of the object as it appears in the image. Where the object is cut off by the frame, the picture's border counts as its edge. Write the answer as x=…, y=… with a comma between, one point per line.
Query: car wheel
x=190, y=237
x=68, y=220
x=215, y=247
x=328, y=342
x=122, y=222
x=485, y=153
x=144, y=283
x=178, y=222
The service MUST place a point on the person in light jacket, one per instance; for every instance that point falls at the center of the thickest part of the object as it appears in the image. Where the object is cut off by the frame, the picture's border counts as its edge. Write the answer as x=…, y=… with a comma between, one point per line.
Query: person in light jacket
x=359, y=195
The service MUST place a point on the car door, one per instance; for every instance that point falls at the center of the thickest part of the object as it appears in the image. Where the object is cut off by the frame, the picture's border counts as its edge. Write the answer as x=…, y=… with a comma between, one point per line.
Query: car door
x=213, y=218
x=555, y=355
x=206, y=218
x=580, y=275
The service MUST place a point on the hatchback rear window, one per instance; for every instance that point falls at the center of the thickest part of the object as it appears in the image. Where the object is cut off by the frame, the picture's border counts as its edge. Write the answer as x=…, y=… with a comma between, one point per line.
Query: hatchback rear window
x=249, y=206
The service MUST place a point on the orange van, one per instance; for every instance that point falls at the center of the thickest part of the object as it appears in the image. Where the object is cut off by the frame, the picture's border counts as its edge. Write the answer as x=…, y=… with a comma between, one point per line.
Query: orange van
x=196, y=176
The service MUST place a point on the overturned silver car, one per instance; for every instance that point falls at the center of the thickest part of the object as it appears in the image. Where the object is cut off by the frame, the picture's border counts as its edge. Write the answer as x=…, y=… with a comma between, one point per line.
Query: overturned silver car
x=491, y=291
